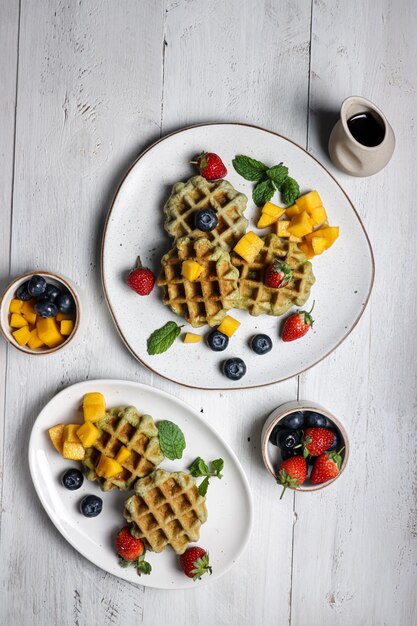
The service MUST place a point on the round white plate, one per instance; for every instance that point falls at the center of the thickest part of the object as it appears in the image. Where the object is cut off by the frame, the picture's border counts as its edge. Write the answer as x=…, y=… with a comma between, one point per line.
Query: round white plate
x=344, y=274
x=229, y=503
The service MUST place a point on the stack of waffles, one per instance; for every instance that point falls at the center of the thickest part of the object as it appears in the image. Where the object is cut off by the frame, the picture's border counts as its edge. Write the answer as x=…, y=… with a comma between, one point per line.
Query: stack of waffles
x=226, y=280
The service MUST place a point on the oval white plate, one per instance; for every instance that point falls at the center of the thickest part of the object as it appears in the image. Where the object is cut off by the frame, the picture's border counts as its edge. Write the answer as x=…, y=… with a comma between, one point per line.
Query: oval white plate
x=229, y=503
x=344, y=274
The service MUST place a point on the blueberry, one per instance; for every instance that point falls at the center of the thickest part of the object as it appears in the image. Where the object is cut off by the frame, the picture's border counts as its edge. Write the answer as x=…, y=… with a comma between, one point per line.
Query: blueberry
x=287, y=438
x=234, y=368
x=336, y=442
x=91, y=506
x=286, y=454
x=217, y=341
x=72, y=479
x=22, y=292
x=65, y=303
x=37, y=285
x=261, y=344
x=51, y=292
x=206, y=220
x=315, y=419
x=45, y=308
x=293, y=420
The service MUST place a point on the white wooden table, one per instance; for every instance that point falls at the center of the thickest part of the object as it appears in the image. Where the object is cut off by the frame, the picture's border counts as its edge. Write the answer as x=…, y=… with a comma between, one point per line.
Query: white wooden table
x=85, y=86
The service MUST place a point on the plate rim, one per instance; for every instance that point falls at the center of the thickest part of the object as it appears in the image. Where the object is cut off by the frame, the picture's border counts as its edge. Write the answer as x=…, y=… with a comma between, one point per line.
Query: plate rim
x=170, y=397
x=103, y=243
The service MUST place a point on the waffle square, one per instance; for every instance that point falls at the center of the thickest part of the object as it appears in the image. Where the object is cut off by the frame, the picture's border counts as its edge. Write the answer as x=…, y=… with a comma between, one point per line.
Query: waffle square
x=198, y=193
x=207, y=299
x=124, y=426
x=255, y=296
x=166, y=510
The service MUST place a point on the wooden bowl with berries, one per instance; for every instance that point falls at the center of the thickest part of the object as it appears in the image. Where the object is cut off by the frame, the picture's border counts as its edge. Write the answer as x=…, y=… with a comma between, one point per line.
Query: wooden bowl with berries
x=304, y=446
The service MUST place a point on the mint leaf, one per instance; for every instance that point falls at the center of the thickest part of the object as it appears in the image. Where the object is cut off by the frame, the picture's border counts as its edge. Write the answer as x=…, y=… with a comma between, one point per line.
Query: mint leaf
x=290, y=190
x=249, y=168
x=202, y=488
x=263, y=192
x=163, y=338
x=218, y=465
x=278, y=174
x=171, y=439
x=198, y=468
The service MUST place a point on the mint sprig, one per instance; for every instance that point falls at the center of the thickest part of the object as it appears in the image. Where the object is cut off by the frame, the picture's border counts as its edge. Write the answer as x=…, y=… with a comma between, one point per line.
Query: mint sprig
x=267, y=179
x=163, y=338
x=171, y=439
x=200, y=468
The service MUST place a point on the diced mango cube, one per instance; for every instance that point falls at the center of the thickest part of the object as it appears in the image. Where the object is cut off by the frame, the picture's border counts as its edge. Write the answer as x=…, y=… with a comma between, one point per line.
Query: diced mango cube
x=265, y=221
x=62, y=316
x=70, y=433
x=305, y=246
x=228, y=326
x=318, y=244
x=28, y=311
x=73, y=451
x=282, y=228
x=88, y=434
x=292, y=210
x=17, y=321
x=108, y=467
x=309, y=201
x=318, y=215
x=270, y=214
x=191, y=270
x=94, y=406
x=22, y=335
x=329, y=233
x=123, y=454
x=300, y=225
x=34, y=341
x=48, y=331
x=192, y=338
x=56, y=435
x=66, y=327
x=15, y=305
x=249, y=246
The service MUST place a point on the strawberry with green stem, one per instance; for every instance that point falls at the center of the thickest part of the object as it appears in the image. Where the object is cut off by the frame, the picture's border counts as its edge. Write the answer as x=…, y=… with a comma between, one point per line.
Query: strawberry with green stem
x=297, y=325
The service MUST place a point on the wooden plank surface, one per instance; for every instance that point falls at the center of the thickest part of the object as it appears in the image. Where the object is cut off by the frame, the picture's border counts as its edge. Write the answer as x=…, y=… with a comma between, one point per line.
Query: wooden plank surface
x=98, y=81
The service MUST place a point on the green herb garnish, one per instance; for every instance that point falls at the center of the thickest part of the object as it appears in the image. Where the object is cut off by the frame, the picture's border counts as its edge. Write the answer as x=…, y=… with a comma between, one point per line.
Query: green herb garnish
x=163, y=338
x=200, y=468
x=171, y=439
x=267, y=180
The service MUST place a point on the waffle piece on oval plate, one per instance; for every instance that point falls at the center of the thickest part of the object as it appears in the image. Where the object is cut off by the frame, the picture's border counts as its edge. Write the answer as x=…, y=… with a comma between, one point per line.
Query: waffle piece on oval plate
x=198, y=193
x=166, y=510
x=207, y=299
x=255, y=296
x=124, y=426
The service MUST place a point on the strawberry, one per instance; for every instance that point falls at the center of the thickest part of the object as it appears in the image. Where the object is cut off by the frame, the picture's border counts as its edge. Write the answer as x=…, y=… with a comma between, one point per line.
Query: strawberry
x=297, y=325
x=317, y=440
x=132, y=551
x=195, y=562
x=141, y=279
x=326, y=467
x=210, y=166
x=278, y=274
x=292, y=472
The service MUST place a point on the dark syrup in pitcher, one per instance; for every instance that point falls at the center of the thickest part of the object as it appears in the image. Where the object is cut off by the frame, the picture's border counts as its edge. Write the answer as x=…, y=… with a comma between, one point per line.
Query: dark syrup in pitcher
x=366, y=129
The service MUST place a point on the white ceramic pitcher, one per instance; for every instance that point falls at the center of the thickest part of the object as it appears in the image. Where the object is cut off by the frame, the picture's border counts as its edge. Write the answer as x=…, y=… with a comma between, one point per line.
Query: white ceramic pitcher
x=348, y=154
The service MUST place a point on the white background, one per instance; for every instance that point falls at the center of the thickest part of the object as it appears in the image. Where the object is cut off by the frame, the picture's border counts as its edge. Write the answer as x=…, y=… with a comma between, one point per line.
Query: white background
x=85, y=87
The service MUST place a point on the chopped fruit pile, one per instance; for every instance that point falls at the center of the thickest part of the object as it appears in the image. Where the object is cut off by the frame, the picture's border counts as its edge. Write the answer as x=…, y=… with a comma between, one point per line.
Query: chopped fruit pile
x=308, y=442
x=305, y=223
x=41, y=314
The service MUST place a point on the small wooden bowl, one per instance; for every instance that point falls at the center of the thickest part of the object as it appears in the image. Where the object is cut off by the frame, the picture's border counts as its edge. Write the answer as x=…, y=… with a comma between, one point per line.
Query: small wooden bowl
x=271, y=454
x=9, y=294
